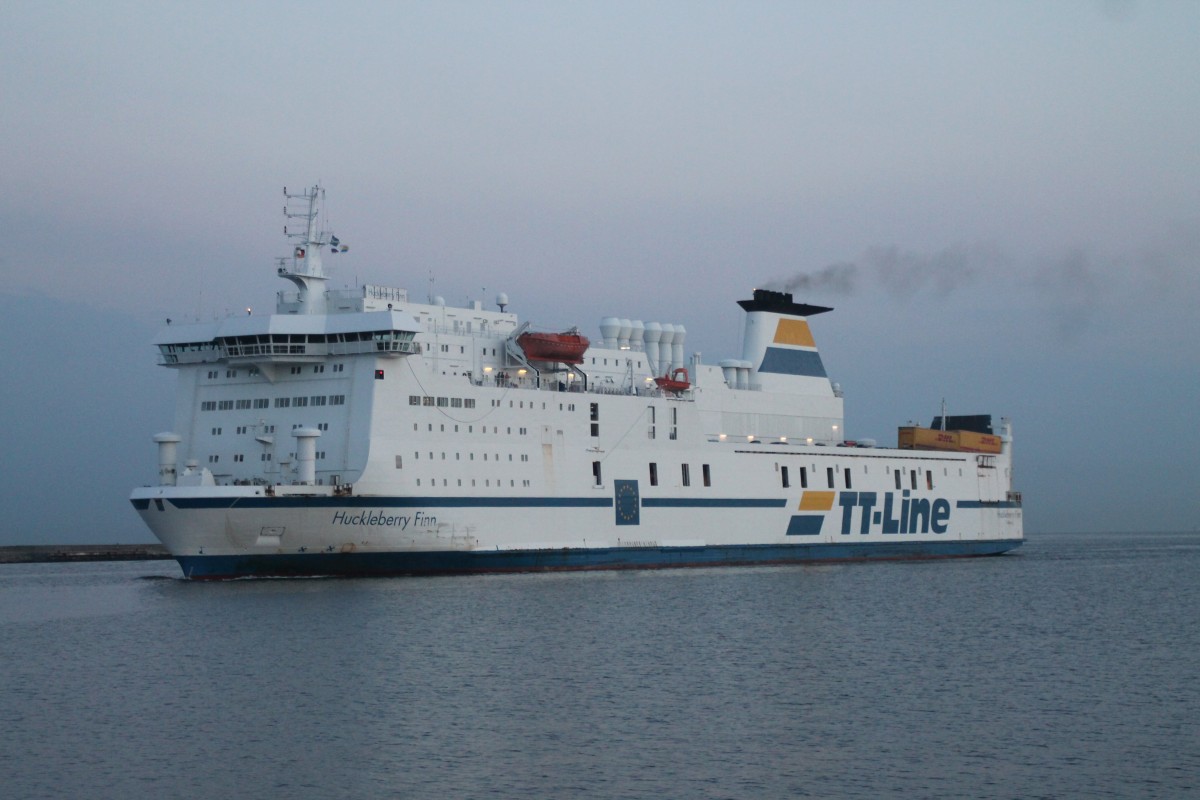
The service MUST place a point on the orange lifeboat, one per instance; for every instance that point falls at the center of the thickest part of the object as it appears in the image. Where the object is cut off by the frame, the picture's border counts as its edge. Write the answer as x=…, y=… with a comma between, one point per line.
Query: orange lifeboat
x=565, y=348
x=675, y=381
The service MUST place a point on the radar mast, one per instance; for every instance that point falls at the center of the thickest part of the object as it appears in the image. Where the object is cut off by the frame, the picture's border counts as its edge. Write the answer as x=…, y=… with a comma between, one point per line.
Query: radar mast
x=304, y=268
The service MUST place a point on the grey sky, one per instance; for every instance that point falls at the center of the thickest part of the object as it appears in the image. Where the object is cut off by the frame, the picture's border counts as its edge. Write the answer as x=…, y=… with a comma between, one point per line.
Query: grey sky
x=1001, y=200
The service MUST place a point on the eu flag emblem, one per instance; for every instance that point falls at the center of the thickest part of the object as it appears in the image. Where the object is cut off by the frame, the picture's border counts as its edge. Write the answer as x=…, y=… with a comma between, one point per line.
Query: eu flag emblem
x=628, y=502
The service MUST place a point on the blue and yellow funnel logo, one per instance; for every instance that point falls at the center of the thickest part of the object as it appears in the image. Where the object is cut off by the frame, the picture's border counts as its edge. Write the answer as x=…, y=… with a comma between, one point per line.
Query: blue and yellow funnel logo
x=793, y=351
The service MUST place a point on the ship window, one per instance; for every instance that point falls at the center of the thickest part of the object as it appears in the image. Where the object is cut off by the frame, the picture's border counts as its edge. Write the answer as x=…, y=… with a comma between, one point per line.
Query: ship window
x=783, y=477
x=847, y=471
x=686, y=475
x=707, y=475
x=914, y=478
x=653, y=474
x=443, y=402
x=829, y=476
x=804, y=477
x=262, y=402
x=595, y=411
x=456, y=402
x=928, y=479
x=426, y=401
x=414, y=400
x=283, y=402
x=468, y=403
x=897, y=480
x=596, y=472
x=595, y=429
x=299, y=401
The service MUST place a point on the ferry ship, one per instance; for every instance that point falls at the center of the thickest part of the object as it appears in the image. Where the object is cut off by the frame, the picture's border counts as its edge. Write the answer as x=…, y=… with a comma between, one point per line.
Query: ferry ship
x=359, y=432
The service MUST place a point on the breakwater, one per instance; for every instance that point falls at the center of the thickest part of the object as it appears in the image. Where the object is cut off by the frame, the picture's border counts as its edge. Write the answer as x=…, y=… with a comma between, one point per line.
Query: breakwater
x=31, y=554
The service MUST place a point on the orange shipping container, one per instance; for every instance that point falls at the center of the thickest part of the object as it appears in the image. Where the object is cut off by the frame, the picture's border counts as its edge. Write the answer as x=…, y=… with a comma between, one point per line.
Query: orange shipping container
x=960, y=441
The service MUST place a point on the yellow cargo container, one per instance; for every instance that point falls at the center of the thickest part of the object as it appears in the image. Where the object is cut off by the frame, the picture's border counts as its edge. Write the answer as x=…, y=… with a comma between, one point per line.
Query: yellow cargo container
x=912, y=438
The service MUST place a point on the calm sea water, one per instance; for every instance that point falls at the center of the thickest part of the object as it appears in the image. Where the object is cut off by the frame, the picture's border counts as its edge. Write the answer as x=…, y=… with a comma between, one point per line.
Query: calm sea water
x=1068, y=669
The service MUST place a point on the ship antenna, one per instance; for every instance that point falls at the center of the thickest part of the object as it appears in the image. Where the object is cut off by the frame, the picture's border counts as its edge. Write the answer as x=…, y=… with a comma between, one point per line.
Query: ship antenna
x=302, y=212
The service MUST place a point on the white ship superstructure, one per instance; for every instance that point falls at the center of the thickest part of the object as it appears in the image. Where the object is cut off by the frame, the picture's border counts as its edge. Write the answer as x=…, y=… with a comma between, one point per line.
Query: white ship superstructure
x=359, y=432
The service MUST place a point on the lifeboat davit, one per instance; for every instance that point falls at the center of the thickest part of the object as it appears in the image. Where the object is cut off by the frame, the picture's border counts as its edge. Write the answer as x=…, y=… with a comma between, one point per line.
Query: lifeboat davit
x=565, y=348
x=674, y=381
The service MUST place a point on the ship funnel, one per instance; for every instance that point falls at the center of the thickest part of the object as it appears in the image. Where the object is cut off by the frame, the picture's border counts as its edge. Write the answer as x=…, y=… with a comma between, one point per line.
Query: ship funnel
x=778, y=343
x=623, y=334
x=306, y=455
x=167, y=457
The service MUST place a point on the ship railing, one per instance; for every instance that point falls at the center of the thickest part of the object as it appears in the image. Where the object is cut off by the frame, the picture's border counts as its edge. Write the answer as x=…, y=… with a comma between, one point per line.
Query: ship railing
x=502, y=381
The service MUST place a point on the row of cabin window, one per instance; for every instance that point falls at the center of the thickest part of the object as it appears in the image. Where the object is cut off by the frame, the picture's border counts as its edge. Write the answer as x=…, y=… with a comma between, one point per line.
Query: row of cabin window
x=280, y=402
x=785, y=478
x=685, y=474
x=240, y=457
x=457, y=457
x=213, y=374
x=487, y=482
x=470, y=428
x=256, y=429
x=441, y=402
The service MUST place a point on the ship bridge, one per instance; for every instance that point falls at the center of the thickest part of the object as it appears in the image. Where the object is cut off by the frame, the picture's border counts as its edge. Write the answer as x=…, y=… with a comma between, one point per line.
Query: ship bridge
x=285, y=338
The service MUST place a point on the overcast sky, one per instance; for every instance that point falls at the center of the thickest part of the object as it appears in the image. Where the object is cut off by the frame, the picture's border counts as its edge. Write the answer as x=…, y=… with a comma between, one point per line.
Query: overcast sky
x=1000, y=199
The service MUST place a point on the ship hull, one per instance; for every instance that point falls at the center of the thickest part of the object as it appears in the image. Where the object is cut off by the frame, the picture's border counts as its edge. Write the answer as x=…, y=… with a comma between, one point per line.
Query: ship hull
x=226, y=533
x=394, y=564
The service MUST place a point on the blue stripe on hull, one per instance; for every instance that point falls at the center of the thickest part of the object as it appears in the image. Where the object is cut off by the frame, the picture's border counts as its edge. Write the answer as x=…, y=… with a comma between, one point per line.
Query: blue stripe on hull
x=368, y=501
x=455, y=563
